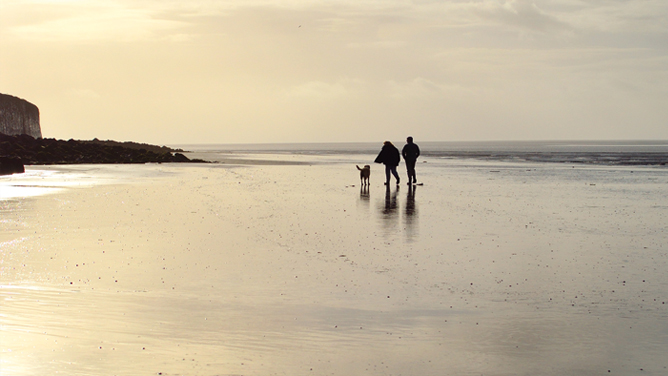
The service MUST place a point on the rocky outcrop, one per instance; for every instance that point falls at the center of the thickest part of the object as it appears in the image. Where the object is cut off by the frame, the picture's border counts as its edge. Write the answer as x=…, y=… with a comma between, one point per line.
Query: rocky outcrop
x=10, y=166
x=39, y=151
x=18, y=116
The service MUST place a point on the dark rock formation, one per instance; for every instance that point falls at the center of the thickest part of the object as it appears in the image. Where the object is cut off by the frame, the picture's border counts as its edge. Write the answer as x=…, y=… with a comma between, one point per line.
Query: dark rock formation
x=18, y=116
x=136, y=145
x=39, y=151
x=10, y=166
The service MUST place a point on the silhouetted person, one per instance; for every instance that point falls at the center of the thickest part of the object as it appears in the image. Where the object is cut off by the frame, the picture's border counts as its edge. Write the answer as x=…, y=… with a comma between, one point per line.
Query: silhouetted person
x=410, y=152
x=390, y=157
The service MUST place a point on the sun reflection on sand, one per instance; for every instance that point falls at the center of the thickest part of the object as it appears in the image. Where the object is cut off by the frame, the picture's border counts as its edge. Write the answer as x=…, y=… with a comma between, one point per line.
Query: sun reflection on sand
x=30, y=184
x=43, y=180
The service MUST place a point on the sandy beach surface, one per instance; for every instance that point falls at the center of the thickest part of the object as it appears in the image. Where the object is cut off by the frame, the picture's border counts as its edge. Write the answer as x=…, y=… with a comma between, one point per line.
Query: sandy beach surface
x=285, y=265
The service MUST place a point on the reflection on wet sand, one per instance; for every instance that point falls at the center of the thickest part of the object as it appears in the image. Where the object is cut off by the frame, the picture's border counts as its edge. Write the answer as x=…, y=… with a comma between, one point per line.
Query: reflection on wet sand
x=410, y=214
x=390, y=215
x=212, y=270
x=364, y=192
x=389, y=208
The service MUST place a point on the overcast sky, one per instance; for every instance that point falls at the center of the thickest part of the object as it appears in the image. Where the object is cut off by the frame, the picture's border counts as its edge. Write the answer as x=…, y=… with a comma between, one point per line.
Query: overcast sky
x=247, y=71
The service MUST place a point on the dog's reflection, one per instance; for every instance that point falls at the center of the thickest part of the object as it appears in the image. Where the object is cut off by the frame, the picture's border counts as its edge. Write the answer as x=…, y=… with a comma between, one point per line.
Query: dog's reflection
x=364, y=192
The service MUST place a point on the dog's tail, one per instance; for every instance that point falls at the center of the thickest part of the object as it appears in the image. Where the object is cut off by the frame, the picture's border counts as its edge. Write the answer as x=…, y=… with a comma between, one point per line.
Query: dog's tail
x=358, y=167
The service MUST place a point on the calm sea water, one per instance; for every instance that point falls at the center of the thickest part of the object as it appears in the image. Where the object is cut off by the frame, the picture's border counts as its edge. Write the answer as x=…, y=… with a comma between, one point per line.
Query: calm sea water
x=582, y=152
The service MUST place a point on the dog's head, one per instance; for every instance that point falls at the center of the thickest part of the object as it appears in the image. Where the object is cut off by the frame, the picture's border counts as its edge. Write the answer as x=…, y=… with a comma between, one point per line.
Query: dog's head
x=367, y=166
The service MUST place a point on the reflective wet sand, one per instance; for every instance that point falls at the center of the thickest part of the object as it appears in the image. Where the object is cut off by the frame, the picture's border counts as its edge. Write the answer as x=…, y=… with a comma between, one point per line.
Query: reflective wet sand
x=489, y=268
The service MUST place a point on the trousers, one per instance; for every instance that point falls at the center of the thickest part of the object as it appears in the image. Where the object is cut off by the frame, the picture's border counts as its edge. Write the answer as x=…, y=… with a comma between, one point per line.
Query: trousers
x=391, y=170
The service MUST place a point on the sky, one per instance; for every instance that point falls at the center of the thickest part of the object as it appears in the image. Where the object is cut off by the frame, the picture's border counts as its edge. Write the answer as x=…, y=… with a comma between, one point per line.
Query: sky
x=260, y=71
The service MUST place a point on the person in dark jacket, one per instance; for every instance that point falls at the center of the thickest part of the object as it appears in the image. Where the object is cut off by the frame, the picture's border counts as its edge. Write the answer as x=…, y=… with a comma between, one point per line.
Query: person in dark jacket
x=410, y=152
x=390, y=157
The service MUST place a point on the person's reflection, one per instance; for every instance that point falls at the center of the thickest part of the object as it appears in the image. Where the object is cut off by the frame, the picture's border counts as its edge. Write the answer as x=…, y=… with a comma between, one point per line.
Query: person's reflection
x=410, y=214
x=389, y=215
x=389, y=210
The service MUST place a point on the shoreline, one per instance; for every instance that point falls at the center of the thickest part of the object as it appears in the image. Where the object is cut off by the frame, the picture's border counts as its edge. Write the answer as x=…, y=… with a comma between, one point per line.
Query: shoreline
x=619, y=153
x=593, y=158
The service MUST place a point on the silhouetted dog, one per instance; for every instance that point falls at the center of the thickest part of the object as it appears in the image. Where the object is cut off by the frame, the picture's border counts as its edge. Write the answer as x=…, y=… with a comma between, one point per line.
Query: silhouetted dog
x=364, y=174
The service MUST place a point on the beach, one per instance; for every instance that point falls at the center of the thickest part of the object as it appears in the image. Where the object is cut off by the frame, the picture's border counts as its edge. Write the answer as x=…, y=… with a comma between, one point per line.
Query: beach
x=282, y=264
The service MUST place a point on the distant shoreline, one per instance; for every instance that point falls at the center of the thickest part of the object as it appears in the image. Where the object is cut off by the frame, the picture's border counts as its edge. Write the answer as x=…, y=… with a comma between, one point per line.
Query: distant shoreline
x=617, y=153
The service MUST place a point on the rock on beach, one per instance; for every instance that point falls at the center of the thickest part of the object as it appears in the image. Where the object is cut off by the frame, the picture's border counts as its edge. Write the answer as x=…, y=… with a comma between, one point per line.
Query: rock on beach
x=27, y=150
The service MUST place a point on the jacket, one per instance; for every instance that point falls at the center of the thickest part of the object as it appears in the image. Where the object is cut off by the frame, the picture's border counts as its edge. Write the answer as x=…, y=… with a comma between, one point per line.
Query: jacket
x=410, y=152
x=389, y=155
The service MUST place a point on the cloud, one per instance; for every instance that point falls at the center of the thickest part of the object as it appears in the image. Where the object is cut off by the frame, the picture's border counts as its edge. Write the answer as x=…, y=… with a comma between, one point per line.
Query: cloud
x=95, y=21
x=379, y=45
x=420, y=88
x=248, y=65
x=323, y=90
x=522, y=14
x=647, y=16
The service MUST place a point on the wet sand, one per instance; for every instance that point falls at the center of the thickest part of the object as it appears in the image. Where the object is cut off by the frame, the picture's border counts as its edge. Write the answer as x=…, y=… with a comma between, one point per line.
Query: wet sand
x=292, y=268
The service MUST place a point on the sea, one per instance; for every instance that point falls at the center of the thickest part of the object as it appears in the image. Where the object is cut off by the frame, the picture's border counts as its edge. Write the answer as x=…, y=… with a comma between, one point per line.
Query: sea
x=628, y=152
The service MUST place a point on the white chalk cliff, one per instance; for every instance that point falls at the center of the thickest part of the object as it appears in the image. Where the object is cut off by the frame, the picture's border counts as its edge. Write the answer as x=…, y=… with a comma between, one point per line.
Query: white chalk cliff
x=18, y=116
